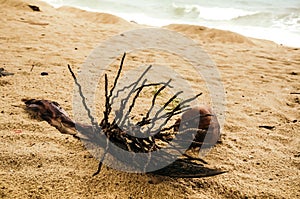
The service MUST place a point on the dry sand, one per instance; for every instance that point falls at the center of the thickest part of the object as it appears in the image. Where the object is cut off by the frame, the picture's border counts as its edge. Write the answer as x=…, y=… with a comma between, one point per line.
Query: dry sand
x=39, y=162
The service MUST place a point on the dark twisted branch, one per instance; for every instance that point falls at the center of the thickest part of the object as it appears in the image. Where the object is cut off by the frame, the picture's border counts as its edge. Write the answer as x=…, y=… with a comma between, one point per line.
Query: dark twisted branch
x=145, y=120
x=126, y=99
x=83, y=98
x=138, y=91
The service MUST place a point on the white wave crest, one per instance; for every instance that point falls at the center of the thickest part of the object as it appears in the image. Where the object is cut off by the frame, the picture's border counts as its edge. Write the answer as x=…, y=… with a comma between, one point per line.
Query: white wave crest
x=210, y=13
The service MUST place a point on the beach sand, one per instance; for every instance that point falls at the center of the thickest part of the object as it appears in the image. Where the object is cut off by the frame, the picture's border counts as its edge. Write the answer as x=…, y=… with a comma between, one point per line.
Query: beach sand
x=262, y=86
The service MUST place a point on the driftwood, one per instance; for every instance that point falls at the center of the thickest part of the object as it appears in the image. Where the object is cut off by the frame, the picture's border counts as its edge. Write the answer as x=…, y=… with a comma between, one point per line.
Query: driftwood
x=4, y=73
x=34, y=8
x=166, y=145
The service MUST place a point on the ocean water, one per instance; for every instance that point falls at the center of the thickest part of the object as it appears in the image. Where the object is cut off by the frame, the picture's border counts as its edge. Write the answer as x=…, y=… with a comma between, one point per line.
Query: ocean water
x=278, y=21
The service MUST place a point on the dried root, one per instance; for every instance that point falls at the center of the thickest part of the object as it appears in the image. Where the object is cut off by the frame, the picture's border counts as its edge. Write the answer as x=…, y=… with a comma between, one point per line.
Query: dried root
x=197, y=127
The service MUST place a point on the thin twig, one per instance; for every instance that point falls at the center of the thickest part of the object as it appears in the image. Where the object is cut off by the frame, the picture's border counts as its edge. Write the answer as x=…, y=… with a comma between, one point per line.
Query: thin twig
x=83, y=98
x=32, y=67
x=117, y=77
x=166, y=104
x=104, y=122
x=146, y=119
x=124, y=101
x=134, y=98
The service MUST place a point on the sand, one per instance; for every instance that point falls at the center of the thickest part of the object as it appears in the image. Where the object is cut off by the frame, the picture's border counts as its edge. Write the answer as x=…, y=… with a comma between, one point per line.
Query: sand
x=262, y=85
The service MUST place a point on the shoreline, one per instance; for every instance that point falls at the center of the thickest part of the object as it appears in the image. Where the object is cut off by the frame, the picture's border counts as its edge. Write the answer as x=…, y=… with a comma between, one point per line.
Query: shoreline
x=252, y=32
